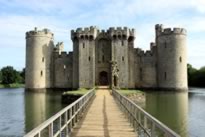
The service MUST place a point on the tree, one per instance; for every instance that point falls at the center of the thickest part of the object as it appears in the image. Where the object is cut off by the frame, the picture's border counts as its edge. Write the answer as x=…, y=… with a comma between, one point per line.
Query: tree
x=196, y=77
x=0, y=76
x=10, y=75
x=22, y=74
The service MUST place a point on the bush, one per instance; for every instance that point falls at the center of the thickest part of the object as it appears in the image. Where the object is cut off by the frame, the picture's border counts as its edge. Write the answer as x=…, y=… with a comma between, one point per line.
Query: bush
x=196, y=78
x=10, y=75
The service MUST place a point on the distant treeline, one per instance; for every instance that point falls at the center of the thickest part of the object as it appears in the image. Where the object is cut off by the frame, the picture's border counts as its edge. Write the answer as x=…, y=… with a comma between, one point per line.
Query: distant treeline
x=8, y=75
x=196, y=77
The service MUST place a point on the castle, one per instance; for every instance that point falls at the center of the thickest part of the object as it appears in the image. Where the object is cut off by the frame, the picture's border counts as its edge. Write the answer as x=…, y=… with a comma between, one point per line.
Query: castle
x=108, y=57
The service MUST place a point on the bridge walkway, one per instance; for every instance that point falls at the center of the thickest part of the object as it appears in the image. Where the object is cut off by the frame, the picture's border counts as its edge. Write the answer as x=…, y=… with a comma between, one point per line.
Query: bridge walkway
x=103, y=119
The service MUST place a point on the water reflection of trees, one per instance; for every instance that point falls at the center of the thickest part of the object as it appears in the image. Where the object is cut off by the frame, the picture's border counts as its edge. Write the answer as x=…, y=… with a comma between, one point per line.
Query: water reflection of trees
x=170, y=108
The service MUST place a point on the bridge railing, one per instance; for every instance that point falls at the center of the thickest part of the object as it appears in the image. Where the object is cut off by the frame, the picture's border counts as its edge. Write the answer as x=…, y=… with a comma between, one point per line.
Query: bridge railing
x=61, y=124
x=144, y=124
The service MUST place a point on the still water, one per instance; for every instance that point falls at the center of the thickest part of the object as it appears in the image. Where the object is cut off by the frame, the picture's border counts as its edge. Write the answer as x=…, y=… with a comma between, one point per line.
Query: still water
x=21, y=111
x=183, y=112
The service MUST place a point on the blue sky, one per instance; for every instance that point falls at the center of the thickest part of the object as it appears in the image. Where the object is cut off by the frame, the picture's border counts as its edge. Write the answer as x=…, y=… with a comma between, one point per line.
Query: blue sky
x=60, y=16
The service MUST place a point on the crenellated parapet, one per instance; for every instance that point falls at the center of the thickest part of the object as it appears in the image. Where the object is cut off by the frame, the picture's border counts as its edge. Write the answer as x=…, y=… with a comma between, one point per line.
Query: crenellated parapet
x=39, y=33
x=161, y=31
x=139, y=52
x=146, y=53
x=59, y=47
x=62, y=54
x=85, y=33
x=121, y=33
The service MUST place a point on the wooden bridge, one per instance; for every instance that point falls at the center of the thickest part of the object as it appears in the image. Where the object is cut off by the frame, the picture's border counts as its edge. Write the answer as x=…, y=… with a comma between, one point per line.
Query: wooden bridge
x=102, y=113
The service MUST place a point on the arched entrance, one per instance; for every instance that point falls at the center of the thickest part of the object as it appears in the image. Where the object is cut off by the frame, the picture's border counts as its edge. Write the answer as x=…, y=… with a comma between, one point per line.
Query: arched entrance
x=103, y=78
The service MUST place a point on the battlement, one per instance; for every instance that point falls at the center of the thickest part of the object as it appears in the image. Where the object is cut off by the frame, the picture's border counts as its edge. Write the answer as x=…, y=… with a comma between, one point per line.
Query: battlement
x=139, y=51
x=62, y=54
x=85, y=33
x=59, y=47
x=169, y=31
x=146, y=53
x=120, y=32
x=40, y=33
x=152, y=47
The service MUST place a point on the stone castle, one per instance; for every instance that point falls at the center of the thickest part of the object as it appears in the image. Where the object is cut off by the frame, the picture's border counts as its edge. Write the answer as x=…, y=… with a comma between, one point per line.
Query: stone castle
x=108, y=57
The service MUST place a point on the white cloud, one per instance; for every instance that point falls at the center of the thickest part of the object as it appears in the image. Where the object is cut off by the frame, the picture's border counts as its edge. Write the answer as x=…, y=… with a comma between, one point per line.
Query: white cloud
x=198, y=5
x=60, y=16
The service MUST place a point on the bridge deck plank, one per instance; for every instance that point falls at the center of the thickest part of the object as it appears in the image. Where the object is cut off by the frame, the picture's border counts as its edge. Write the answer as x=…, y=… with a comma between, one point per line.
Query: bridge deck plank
x=103, y=119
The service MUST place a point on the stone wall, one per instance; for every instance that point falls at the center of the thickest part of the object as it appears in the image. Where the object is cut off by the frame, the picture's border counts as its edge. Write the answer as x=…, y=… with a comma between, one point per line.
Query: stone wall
x=120, y=53
x=84, y=57
x=63, y=70
x=39, y=49
x=145, y=68
x=163, y=66
x=102, y=57
x=171, y=57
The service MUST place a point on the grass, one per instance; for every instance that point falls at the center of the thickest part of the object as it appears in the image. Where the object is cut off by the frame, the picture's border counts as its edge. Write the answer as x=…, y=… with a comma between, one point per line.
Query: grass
x=129, y=92
x=13, y=85
x=80, y=91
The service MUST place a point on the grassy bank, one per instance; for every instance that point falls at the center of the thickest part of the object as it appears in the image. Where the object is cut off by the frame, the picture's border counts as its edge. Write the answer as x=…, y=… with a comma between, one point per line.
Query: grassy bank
x=13, y=85
x=136, y=96
x=130, y=92
x=78, y=92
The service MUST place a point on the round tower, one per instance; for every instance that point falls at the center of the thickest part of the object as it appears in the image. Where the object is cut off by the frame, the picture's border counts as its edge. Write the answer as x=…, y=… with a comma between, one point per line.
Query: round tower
x=39, y=48
x=171, y=58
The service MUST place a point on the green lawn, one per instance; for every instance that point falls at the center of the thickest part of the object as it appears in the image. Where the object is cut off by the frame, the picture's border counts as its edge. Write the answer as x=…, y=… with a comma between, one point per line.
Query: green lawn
x=13, y=85
x=80, y=91
x=129, y=92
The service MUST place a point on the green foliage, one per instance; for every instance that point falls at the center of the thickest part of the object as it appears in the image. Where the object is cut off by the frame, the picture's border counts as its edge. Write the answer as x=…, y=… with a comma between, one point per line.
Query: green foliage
x=13, y=85
x=22, y=74
x=80, y=91
x=0, y=76
x=9, y=75
x=196, y=78
x=129, y=92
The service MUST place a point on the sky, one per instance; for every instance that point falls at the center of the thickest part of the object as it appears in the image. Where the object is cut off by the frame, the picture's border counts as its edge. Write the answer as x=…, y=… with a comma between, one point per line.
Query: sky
x=61, y=16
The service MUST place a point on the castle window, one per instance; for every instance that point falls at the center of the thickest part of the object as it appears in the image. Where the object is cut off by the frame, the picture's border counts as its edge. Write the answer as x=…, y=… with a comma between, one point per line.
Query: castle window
x=180, y=59
x=140, y=73
x=42, y=59
x=165, y=45
x=130, y=39
x=124, y=37
x=119, y=37
x=41, y=73
x=122, y=58
x=103, y=58
x=64, y=69
x=114, y=37
x=165, y=75
x=90, y=37
x=89, y=58
x=122, y=43
x=83, y=45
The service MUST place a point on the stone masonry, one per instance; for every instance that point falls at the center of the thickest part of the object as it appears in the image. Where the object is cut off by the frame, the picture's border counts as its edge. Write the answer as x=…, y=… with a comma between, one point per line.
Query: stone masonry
x=94, y=51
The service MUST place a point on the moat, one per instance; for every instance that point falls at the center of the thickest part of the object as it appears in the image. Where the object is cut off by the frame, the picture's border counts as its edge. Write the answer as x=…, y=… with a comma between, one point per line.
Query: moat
x=21, y=111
